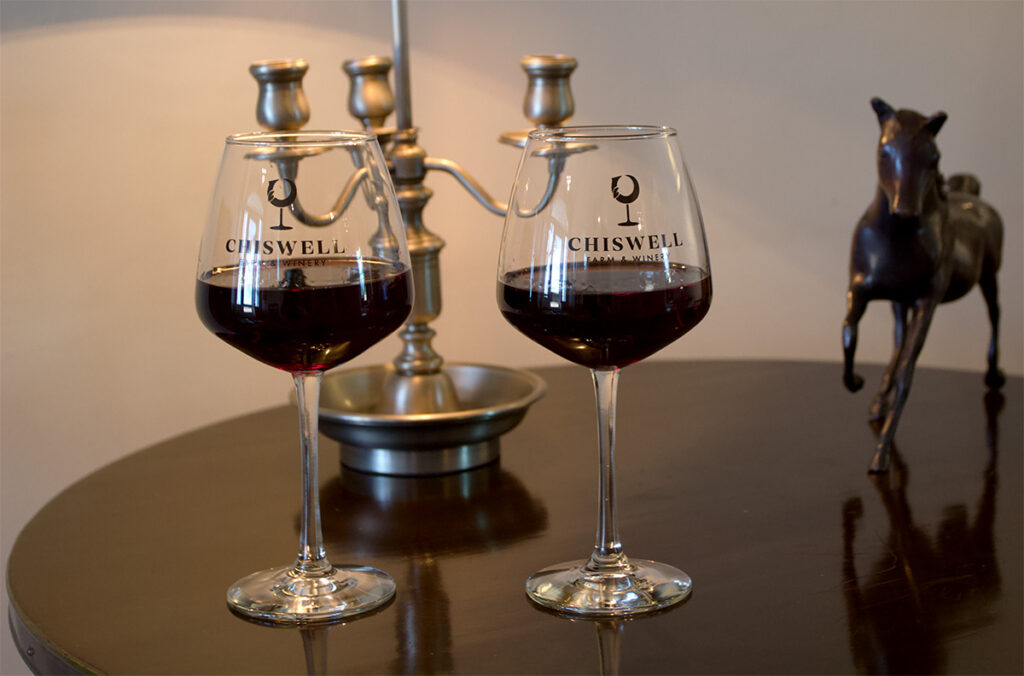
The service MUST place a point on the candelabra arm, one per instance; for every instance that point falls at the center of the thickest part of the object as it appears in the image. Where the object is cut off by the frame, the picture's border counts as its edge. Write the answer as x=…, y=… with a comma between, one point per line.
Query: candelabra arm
x=344, y=199
x=555, y=165
x=556, y=162
x=468, y=182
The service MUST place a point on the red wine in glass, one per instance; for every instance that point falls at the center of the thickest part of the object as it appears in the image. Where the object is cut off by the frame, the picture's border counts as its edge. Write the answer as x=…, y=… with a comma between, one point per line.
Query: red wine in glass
x=305, y=314
x=608, y=314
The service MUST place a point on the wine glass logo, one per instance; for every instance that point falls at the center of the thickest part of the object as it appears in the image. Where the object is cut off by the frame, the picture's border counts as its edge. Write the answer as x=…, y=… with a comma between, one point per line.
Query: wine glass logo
x=282, y=202
x=626, y=199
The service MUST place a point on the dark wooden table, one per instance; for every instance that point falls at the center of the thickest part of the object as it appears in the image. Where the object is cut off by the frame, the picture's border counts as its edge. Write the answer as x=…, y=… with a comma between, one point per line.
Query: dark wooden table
x=750, y=476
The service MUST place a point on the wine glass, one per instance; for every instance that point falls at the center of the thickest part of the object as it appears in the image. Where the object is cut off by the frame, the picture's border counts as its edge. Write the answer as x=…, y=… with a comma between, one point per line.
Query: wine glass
x=303, y=266
x=604, y=262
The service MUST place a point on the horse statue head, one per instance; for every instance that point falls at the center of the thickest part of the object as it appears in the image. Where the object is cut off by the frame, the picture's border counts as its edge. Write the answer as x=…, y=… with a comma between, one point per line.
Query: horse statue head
x=908, y=158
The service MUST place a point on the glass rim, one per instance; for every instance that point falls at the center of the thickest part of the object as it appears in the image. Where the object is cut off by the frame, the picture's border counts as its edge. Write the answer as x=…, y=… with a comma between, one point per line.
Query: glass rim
x=300, y=139
x=602, y=132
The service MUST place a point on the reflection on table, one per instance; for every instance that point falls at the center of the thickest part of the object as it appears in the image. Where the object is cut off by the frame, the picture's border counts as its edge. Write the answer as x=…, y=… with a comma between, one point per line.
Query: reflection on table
x=750, y=476
x=924, y=589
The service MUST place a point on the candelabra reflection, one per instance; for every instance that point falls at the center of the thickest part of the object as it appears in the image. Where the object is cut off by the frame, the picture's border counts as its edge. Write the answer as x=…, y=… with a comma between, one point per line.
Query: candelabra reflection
x=426, y=519
x=464, y=512
x=925, y=590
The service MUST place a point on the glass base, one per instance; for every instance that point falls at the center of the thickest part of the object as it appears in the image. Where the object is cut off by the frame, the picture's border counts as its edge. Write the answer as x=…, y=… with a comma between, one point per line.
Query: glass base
x=287, y=595
x=628, y=588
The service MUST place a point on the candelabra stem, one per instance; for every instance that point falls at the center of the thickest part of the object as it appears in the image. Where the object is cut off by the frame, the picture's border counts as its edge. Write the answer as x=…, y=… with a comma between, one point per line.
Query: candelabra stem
x=403, y=96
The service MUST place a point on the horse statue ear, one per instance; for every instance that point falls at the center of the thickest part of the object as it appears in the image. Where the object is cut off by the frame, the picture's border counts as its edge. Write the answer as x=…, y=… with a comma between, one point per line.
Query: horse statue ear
x=882, y=109
x=934, y=123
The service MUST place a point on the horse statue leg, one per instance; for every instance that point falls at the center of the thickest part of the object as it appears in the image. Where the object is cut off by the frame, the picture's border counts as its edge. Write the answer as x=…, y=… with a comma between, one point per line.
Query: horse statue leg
x=864, y=640
x=856, y=302
x=881, y=403
x=920, y=320
x=994, y=377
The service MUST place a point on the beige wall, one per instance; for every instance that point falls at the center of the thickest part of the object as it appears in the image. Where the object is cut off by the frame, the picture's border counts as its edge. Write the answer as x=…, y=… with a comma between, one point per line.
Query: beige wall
x=113, y=115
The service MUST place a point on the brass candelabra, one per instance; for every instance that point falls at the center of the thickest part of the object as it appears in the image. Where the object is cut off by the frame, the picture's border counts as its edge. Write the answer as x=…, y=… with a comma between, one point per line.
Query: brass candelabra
x=418, y=414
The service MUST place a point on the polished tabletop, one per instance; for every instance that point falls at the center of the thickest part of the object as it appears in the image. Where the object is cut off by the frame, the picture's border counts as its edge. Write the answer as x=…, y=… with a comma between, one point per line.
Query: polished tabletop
x=749, y=476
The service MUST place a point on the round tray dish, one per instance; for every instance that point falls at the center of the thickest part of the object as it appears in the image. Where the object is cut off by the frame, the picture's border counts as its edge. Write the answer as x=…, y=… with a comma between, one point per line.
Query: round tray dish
x=491, y=401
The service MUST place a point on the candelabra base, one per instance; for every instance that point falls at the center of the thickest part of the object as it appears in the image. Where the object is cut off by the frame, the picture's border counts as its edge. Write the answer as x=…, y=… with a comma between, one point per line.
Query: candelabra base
x=423, y=462
x=355, y=409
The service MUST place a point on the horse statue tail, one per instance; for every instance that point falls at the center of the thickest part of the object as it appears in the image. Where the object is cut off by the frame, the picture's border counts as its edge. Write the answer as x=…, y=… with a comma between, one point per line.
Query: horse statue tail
x=967, y=183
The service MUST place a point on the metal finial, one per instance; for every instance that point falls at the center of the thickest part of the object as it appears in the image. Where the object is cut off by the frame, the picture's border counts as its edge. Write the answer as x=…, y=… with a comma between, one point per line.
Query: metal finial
x=282, y=104
x=369, y=99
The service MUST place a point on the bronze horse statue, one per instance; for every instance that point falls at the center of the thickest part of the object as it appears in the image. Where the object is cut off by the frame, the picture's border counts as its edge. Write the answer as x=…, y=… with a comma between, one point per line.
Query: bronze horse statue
x=921, y=242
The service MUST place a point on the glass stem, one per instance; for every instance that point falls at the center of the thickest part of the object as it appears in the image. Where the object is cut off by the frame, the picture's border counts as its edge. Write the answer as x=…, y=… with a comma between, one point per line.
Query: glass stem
x=312, y=557
x=607, y=548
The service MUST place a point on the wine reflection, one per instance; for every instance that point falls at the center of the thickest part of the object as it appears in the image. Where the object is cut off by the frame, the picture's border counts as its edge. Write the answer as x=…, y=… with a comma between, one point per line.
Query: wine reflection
x=425, y=519
x=925, y=590
x=609, y=645
x=313, y=636
x=314, y=647
x=609, y=633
